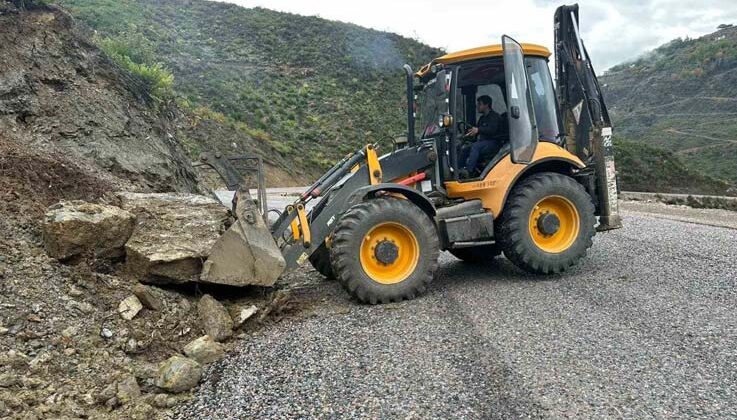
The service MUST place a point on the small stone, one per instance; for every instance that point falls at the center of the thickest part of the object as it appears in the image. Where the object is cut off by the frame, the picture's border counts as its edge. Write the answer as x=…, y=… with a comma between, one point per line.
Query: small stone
x=243, y=314
x=215, y=319
x=204, y=350
x=8, y=379
x=132, y=346
x=160, y=400
x=83, y=307
x=178, y=374
x=87, y=399
x=106, y=333
x=112, y=402
x=128, y=389
x=185, y=305
x=107, y=393
x=69, y=332
x=3, y=330
x=75, y=291
x=145, y=370
x=129, y=307
x=147, y=297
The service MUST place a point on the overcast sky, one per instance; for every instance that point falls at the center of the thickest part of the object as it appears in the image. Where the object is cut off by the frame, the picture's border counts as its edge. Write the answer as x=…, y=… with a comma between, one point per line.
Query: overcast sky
x=614, y=31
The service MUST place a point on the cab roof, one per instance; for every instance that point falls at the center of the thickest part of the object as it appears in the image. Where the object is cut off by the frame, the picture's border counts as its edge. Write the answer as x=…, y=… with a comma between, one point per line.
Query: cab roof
x=487, y=51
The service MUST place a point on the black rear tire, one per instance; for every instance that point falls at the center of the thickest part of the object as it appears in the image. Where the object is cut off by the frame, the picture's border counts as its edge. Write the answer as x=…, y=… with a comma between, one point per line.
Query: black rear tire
x=477, y=254
x=516, y=232
x=320, y=259
x=356, y=234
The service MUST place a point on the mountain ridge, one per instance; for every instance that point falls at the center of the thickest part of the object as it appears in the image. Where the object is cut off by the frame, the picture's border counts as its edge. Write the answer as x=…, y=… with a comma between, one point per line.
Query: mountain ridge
x=682, y=97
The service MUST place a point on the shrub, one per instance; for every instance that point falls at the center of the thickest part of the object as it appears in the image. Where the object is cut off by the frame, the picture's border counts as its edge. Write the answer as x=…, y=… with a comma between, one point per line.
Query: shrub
x=133, y=53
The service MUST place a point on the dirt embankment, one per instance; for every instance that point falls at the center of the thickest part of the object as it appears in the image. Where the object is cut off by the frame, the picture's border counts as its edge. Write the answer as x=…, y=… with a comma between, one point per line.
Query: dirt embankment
x=74, y=126
x=58, y=92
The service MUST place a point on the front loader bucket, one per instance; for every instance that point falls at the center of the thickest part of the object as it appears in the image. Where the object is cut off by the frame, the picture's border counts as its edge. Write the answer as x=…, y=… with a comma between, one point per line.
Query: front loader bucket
x=246, y=253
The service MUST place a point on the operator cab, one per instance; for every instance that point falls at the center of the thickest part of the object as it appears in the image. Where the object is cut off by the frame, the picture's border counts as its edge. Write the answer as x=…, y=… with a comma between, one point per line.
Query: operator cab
x=517, y=79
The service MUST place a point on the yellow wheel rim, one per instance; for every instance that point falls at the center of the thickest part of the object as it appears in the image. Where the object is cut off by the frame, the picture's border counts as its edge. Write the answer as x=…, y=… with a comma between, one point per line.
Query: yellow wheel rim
x=405, y=253
x=569, y=224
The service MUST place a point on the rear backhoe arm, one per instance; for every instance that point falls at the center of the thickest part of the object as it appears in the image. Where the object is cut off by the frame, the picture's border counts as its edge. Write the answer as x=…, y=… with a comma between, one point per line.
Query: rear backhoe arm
x=585, y=114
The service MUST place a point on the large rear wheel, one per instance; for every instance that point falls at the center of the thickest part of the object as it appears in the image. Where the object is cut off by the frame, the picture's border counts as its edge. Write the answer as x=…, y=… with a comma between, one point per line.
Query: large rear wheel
x=547, y=224
x=384, y=250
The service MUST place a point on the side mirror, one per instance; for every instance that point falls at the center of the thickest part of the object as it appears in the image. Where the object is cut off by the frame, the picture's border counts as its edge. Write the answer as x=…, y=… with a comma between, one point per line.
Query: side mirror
x=515, y=112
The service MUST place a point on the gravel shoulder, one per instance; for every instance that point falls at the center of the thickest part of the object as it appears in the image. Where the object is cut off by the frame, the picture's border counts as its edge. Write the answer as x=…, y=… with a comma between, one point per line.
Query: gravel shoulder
x=711, y=217
x=645, y=327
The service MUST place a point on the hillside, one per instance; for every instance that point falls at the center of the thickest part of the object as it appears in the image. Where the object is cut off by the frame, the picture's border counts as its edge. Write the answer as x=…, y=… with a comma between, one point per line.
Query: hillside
x=682, y=97
x=641, y=167
x=309, y=88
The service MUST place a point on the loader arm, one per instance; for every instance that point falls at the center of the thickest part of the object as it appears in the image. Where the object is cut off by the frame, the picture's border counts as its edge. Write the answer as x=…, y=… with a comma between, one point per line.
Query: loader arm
x=336, y=192
x=252, y=252
x=586, y=119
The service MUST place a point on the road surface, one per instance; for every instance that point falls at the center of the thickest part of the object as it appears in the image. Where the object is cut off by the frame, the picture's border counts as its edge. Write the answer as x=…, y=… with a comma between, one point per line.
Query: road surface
x=645, y=327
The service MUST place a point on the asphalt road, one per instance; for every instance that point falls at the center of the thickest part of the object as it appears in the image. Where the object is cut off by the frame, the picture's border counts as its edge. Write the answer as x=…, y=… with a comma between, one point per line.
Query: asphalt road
x=645, y=327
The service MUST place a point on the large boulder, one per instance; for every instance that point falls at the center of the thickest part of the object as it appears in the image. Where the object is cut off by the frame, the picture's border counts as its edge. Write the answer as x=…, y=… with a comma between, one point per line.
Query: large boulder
x=173, y=236
x=178, y=374
x=215, y=318
x=76, y=227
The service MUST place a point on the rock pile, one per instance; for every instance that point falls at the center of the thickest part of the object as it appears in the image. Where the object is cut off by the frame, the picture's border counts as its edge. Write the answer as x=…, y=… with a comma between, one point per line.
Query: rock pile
x=154, y=342
x=166, y=238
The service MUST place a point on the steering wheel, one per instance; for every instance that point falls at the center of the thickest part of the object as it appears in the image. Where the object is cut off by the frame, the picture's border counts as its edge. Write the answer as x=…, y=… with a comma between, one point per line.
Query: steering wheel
x=463, y=128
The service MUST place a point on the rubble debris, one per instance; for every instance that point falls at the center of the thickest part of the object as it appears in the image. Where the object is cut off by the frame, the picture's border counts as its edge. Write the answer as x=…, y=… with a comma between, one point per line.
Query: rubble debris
x=128, y=389
x=147, y=296
x=178, y=374
x=129, y=307
x=241, y=314
x=75, y=227
x=204, y=350
x=215, y=318
x=173, y=236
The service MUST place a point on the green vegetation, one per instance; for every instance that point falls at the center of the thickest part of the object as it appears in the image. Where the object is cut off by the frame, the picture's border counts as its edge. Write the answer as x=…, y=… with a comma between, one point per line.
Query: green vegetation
x=136, y=54
x=682, y=97
x=310, y=88
x=645, y=168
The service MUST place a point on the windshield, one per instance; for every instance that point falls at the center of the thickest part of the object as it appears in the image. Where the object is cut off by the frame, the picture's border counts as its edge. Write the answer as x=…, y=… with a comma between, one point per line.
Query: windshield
x=430, y=104
x=543, y=98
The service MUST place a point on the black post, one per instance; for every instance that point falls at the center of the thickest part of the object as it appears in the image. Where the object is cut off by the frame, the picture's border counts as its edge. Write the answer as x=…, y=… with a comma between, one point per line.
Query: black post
x=410, y=106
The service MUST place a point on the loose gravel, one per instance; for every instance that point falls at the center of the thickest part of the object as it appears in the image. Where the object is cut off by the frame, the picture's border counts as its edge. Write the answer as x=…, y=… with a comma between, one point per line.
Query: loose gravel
x=645, y=327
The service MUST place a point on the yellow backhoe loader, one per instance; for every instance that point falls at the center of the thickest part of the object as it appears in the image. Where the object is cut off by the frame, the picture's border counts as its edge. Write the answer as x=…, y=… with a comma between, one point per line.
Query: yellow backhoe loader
x=378, y=223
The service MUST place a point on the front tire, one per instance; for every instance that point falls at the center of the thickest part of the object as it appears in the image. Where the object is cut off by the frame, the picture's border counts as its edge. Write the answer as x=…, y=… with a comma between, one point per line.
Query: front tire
x=384, y=250
x=548, y=223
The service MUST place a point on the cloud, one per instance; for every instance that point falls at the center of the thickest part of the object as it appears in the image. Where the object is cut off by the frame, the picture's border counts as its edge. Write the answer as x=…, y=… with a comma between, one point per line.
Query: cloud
x=614, y=31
